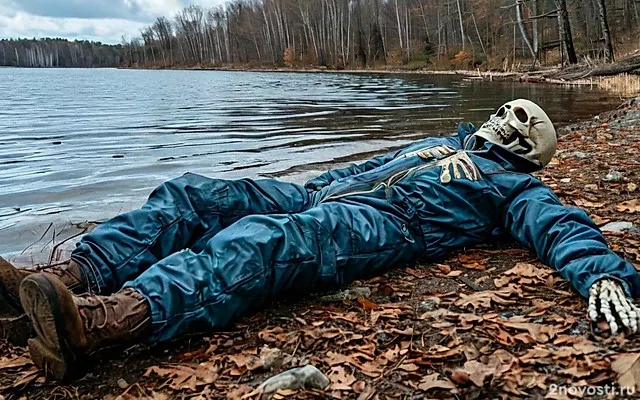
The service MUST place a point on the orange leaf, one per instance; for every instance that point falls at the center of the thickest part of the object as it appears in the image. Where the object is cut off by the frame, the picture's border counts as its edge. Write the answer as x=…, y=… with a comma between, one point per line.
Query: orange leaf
x=367, y=305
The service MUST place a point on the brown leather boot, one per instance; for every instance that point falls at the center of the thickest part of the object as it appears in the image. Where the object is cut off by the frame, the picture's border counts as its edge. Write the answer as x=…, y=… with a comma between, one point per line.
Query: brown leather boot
x=10, y=278
x=71, y=328
x=14, y=324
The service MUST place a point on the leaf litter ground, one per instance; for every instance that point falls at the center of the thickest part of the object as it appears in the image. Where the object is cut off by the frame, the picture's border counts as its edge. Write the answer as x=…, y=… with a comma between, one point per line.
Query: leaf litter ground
x=490, y=322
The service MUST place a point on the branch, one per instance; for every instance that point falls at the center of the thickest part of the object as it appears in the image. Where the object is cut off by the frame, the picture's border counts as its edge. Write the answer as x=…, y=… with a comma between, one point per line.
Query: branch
x=548, y=14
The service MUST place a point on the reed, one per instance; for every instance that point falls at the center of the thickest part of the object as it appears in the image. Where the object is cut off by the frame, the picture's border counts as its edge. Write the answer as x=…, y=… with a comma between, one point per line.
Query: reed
x=623, y=85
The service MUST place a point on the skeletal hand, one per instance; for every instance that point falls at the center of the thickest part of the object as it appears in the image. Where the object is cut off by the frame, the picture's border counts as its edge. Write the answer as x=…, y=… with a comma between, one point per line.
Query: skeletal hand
x=608, y=301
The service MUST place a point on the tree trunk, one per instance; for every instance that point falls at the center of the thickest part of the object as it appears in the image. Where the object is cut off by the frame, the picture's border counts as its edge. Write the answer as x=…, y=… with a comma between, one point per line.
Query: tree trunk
x=565, y=30
x=523, y=31
x=534, y=26
x=462, y=35
x=604, y=25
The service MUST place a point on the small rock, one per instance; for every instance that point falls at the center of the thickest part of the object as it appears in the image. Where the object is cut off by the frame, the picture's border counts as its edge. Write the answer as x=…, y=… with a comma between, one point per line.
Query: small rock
x=613, y=176
x=348, y=294
x=585, y=138
x=579, y=154
x=122, y=384
x=617, y=226
x=308, y=377
x=271, y=357
x=427, y=305
x=565, y=180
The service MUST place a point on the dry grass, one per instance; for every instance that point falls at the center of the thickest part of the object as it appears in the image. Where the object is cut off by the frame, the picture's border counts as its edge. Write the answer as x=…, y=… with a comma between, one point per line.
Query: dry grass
x=623, y=85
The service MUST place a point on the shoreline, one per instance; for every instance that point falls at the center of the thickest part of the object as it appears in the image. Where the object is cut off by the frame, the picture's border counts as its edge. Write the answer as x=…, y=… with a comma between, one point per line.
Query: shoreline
x=624, y=85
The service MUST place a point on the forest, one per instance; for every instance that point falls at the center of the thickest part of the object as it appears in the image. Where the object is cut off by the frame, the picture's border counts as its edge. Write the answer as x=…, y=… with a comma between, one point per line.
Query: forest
x=347, y=34
x=58, y=53
x=407, y=34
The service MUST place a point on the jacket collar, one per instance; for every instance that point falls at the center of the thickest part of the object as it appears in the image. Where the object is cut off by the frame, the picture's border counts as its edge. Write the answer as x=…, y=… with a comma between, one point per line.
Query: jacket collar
x=506, y=158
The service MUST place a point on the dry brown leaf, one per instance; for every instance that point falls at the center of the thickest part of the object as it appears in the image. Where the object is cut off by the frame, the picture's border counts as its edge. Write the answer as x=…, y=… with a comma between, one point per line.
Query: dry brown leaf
x=367, y=305
x=576, y=372
x=182, y=377
x=599, y=220
x=341, y=379
x=409, y=367
x=359, y=386
x=586, y=347
x=417, y=273
x=8, y=363
x=478, y=372
x=485, y=299
x=631, y=206
x=432, y=382
x=444, y=268
x=392, y=354
x=441, y=352
x=627, y=366
x=588, y=204
x=540, y=333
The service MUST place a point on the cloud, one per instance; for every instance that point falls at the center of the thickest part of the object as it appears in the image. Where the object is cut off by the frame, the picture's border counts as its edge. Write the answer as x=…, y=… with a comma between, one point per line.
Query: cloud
x=101, y=20
x=135, y=10
x=105, y=30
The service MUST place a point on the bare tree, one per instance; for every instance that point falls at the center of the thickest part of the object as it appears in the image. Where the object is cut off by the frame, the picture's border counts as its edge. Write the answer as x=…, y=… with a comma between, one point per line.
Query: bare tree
x=604, y=26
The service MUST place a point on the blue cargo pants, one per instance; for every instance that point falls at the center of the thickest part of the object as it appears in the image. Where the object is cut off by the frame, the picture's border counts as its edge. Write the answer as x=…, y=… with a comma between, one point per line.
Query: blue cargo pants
x=205, y=252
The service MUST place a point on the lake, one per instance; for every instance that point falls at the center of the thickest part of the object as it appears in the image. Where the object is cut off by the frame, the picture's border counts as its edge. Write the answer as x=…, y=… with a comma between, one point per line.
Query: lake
x=86, y=144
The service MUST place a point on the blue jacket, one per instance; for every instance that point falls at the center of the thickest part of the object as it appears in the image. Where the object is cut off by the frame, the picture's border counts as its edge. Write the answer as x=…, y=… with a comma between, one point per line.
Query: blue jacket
x=481, y=196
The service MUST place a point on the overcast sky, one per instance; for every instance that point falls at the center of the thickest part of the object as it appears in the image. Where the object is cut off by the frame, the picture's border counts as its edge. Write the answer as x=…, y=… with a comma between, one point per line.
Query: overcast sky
x=101, y=20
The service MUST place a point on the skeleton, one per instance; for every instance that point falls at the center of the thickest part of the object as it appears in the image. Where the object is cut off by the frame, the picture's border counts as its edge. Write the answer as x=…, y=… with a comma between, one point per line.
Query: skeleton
x=524, y=128
x=607, y=301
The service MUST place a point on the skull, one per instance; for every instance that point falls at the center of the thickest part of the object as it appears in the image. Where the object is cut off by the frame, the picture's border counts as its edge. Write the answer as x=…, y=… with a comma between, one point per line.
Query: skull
x=524, y=128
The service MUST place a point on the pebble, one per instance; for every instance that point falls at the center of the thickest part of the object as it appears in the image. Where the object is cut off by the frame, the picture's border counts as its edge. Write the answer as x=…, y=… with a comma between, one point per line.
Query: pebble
x=307, y=377
x=122, y=384
x=617, y=226
x=353, y=293
x=579, y=154
x=427, y=305
x=565, y=180
x=613, y=176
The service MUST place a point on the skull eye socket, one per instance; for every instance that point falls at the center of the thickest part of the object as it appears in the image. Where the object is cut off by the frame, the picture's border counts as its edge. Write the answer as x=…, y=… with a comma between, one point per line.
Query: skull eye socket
x=500, y=112
x=521, y=114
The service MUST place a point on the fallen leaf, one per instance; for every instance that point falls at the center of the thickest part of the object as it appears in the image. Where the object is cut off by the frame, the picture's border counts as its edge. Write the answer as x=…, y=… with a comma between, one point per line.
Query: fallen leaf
x=478, y=372
x=599, y=220
x=15, y=363
x=627, y=366
x=432, y=382
x=576, y=372
x=341, y=379
x=367, y=305
x=445, y=269
x=631, y=206
x=183, y=377
x=588, y=204
x=409, y=367
x=485, y=299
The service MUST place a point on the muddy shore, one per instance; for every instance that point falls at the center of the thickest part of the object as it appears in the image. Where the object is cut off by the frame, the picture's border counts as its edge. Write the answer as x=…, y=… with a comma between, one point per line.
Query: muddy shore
x=491, y=322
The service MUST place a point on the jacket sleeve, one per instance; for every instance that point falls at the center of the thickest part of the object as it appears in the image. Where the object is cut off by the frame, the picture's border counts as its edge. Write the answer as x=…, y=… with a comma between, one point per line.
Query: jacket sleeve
x=354, y=169
x=566, y=239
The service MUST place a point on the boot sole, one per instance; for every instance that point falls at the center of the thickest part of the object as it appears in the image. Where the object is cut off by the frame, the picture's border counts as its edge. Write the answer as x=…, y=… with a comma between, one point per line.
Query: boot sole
x=50, y=350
